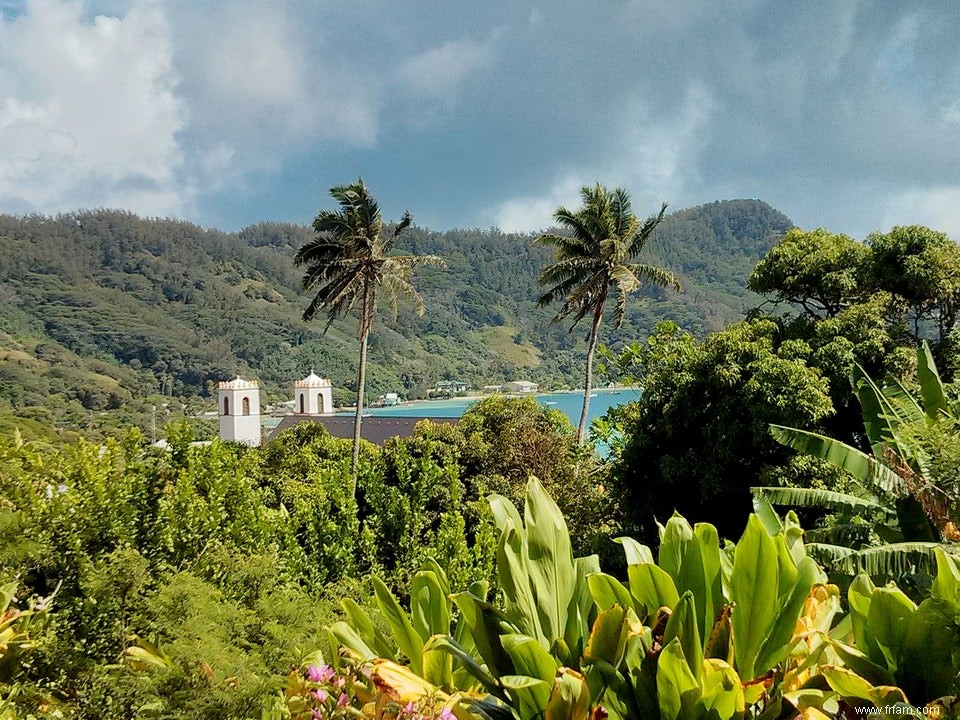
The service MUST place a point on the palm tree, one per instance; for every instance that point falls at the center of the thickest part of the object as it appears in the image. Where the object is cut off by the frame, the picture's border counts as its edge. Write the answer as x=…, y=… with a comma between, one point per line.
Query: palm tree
x=347, y=263
x=596, y=259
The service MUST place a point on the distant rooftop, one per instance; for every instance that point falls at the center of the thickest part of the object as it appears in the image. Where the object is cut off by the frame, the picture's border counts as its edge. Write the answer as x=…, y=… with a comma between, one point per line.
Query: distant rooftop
x=238, y=383
x=377, y=429
x=311, y=381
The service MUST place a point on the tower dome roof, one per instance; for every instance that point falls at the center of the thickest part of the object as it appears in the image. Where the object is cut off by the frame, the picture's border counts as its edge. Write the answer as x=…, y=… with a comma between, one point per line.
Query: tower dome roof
x=238, y=383
x=311, y=381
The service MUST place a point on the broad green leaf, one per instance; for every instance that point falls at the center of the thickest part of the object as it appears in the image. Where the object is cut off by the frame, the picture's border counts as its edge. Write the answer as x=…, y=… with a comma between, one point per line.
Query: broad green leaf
x=721, y=693
x=789, y=608
x=580, y=608
x=569, y=698
x=931, y=387
x=850, y=685
x=550, y=559
x=674, y=537
x=890, y=614
x=505, y=515
x=946, y=585
x=677, y=689
x=438, y=667
x=608, y=637
x=700, y=574
x=486, y=624
x=529, y=695
x=753, y=589
x=430, y=608
x=931, y=662
x=636, y=553
x=514, y=577
x=529, y=658
x=607, y=591
x=346, y=636
x=652, y=588
x=406, y=637
x=763, y=508
x=682, y=625
x=364, y=626
x=862, y=665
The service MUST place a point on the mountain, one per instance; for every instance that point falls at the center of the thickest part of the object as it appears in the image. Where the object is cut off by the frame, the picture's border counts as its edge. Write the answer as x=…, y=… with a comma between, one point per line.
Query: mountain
x=101, y=309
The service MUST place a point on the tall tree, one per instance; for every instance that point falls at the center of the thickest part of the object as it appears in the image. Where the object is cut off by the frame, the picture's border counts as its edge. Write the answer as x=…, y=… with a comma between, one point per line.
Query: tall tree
x=595, y=260
x=348, y=263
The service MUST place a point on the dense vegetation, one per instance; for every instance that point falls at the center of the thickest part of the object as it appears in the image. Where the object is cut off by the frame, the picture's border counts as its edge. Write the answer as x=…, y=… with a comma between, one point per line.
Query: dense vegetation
x=203, y=581
x=103, y=314
x=231, y=559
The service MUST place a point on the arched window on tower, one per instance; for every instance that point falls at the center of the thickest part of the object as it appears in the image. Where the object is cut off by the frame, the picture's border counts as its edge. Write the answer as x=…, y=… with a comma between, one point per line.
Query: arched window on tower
x=302, y=409
x=226, y=406
x=246, y=406
x=320, y=408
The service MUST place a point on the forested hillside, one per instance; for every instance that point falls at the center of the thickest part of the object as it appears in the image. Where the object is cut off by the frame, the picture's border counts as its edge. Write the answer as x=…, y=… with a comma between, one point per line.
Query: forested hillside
x=101, y=308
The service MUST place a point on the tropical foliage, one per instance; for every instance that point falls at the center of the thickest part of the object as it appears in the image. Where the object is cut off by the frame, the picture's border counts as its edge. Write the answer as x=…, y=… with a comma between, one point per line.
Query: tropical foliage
x=104, y=314
x=599, y=260
x=708, y=630
x=350, y=262
x=893, y=484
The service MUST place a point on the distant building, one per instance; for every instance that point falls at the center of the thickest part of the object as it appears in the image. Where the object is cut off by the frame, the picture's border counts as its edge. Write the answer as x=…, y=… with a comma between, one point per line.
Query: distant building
x=520, y=386
x=239, y=409
x=313, y=395
x=488, y=389
x=388, y=400
x=376, y=429
x=453, y=387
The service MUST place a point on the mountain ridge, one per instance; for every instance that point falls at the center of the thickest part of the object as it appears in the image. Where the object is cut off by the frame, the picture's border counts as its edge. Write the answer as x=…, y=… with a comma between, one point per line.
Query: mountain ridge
x=105, y=308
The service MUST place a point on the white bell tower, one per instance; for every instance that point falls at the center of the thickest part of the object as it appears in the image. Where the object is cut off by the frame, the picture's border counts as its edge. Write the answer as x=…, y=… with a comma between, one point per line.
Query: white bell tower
x=313, y=396
x=239, y=408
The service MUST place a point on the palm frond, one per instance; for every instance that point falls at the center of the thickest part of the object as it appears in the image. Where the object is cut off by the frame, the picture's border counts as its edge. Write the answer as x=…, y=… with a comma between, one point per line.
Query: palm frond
x=891, y=560
x=872, y=474
x=640, y=238
x=655, y=275
x=818, y=498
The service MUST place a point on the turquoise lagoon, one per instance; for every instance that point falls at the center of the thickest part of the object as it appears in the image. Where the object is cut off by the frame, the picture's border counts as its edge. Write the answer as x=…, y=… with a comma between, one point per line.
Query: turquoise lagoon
x=569, y=403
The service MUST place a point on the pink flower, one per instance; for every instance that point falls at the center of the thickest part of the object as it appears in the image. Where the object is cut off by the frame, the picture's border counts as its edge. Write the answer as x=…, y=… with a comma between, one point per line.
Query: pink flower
x=342, y=700
x=320, y=674
x=317, y=714
x=447, y=714
x=408, y=710
x=320, y=695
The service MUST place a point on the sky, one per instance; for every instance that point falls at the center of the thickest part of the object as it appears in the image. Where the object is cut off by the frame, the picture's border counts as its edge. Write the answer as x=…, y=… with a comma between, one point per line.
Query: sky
x=843, y=114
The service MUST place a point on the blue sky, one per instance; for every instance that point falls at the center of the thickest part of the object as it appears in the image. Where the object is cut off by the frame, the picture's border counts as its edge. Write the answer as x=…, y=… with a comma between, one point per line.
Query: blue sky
x=844, y=115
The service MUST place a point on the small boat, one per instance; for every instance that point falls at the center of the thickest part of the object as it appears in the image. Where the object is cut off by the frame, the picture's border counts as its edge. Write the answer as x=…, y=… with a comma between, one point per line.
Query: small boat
x=593, y=394
x=549, y=402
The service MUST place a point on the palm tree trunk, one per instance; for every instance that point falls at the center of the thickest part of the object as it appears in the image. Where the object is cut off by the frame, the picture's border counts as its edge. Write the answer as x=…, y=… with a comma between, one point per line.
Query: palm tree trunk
x=361, y=379
x=588, y=381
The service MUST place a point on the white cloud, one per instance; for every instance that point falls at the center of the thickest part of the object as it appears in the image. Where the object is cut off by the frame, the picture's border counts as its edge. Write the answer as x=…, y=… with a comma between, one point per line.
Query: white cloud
x=88, y=110
x=441, y=70
x=535, y=212
x=937, y=208
x=655, y=159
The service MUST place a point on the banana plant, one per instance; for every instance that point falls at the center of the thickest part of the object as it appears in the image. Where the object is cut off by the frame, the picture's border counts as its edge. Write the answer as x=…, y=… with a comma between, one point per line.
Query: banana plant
x=893, y=487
